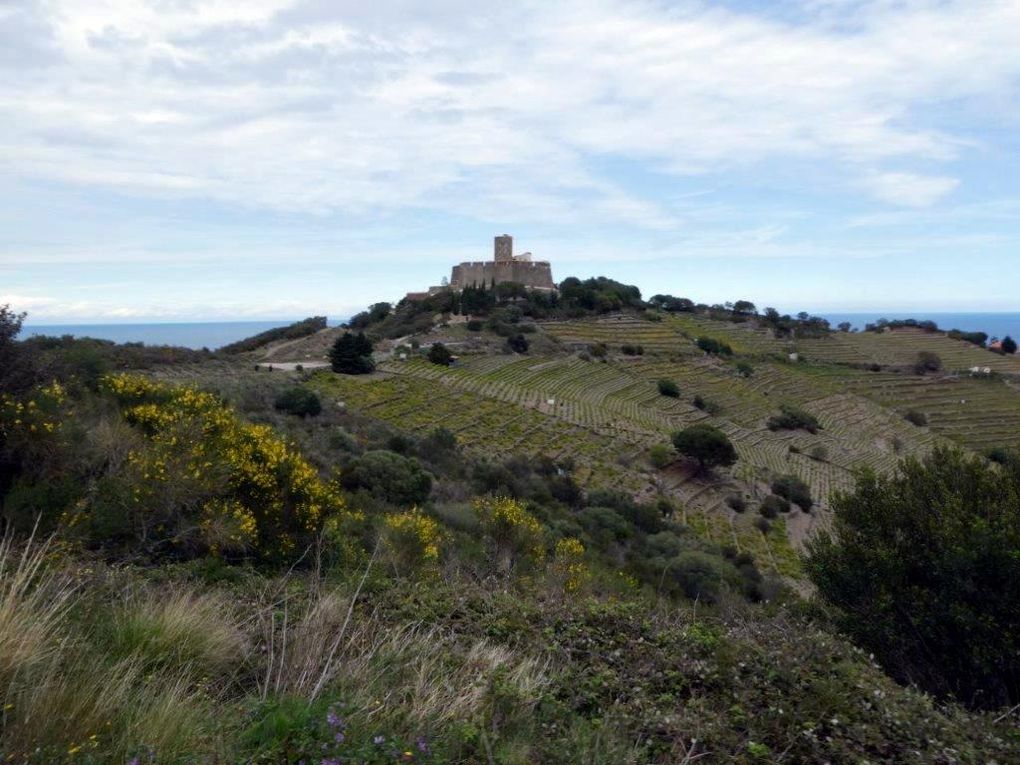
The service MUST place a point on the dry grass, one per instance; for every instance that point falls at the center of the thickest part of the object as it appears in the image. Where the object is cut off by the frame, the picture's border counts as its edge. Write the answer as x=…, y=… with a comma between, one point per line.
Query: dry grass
x=179, y=631
x=33, y=604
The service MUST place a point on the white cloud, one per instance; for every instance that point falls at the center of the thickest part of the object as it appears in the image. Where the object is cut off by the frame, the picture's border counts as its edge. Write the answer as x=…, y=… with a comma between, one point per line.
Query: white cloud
x=910, y=189
x=493, y=110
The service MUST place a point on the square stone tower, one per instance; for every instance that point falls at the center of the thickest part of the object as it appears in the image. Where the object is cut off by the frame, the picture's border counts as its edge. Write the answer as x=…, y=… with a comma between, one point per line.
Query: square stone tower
x=504, y=248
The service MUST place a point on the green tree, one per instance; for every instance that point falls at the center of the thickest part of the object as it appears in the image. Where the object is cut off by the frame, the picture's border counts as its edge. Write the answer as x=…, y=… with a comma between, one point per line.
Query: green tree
x=922, y=569
x=1008, y=345
x=669, y=388
x=352, y=354
x=440, y=354
x=10, y=327
x=927, y=362
x=707, y=445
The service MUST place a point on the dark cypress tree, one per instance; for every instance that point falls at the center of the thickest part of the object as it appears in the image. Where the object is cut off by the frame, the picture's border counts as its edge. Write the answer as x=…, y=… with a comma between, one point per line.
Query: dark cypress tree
x=352, y=354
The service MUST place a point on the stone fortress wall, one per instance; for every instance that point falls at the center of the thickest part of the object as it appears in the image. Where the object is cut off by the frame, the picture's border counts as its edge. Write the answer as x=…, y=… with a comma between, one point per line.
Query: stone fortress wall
x=504, y=267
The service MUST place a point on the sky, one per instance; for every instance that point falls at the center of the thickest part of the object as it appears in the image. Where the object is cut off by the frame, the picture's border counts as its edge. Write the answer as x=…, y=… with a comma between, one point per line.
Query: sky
x=168, y=160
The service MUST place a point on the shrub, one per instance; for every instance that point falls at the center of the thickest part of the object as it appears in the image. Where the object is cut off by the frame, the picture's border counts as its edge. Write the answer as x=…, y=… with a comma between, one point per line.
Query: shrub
x=301, y=402
x=791, y=417
x=518, y=344
x=569, y=566
x=927, y=362
x=744, y=369
x=660, y=455
x=713, y=346
x=914, y=417
x=412, y=540
x=922, y=568
x=773, y=505
x=708, y=445
x=352, y=354
x=794, y=489
x=206, y=481
x=388, y=476
x=515, y=536
x=669, y=388
x=819, y=453
x=700, y=575
x=1009, y=345
x=474, y=325
x=440, y=354
x=632, y=350
x=736, y=503
x=706, y=405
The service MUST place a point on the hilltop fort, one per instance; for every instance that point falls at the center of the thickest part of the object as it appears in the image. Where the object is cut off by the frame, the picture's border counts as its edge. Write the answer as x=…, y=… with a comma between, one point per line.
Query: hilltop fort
x=504, y=267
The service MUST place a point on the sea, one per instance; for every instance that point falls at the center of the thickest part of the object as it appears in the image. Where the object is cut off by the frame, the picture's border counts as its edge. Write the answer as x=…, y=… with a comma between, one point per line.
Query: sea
x=215, y=334
x=198, y=334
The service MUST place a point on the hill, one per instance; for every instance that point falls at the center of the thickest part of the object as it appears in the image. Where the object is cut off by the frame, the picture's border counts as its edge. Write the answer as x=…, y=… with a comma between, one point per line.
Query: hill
x=503, y=560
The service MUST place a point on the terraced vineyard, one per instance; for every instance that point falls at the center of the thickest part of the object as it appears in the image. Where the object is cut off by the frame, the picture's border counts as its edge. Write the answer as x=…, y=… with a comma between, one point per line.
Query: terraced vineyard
x=617, y=330
x=900, y=348
x=977, y=413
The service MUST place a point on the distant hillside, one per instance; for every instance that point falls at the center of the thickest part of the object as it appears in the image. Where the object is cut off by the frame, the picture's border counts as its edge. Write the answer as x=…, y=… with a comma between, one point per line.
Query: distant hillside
x=293, y=331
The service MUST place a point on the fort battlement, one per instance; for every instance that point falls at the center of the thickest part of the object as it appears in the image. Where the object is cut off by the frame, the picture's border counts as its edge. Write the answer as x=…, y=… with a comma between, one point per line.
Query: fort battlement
x=504, y=267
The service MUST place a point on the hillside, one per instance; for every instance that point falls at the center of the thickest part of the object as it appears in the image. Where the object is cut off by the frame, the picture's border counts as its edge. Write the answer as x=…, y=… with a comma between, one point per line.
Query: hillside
x=503, y=560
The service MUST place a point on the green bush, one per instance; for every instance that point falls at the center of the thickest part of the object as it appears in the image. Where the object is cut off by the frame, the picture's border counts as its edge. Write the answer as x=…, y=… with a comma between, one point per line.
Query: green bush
x=632, y=350
x=792, y=417
x=713, y=346
x=298, y=401
x=475, y=325
x=920, y=419
x=707, y=445
x=669, y=388
x=773, y=505
x=744, y=369
x=927, y=362
x=706, y=405
x=736, y=503
x=922, y=567
x=388, y=476
x=439, y=354
x=660, y=455
x=794, y=489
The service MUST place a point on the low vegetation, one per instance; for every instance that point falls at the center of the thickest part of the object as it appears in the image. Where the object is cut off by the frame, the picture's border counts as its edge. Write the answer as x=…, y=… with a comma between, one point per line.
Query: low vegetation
x=294, y=331
x=792, y=417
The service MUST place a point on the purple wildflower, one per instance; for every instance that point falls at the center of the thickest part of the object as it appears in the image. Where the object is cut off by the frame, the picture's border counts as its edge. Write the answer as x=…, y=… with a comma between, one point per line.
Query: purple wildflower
x=334, y=720
x=422, y=744
x=339, y=737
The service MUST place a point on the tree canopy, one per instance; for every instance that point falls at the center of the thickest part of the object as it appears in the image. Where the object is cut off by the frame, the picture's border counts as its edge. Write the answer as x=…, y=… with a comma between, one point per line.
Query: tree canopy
x=707, y=445
x=352, y=354
x=922, y=569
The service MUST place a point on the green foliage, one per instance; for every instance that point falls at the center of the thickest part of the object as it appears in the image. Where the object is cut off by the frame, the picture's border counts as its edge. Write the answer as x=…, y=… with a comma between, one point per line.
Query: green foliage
x=299, y=329
x=599, y=295
x=706, y=444
x=375, y=314
x=914, y=417
x=632, y=350
x=660, y=455
x=474, y=325
x=298, y=401
x=713, y=346
x=390, y=477
x=440, y=354
x=927, y=362
x=773, y=505
x=792, y=417
x=669, y=388
x=794, y=489
x=744, y=369
x=352, y=354
x=1009, y=345
x=517, y=343
x=706, y=405
x=922, y=567
x=736, y=503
